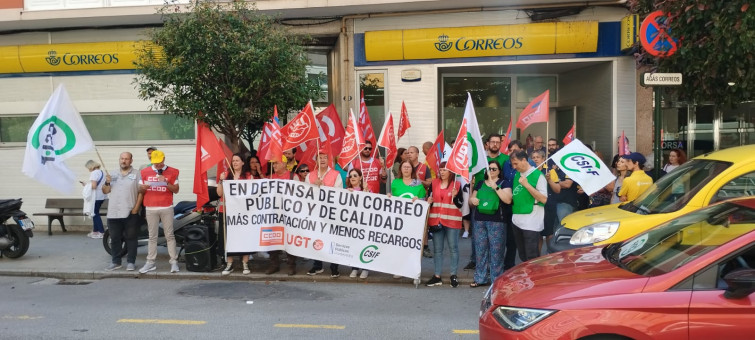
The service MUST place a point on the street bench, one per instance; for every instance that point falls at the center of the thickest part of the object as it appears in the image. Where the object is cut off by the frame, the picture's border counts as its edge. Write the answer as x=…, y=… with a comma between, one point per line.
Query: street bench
x=66, y=207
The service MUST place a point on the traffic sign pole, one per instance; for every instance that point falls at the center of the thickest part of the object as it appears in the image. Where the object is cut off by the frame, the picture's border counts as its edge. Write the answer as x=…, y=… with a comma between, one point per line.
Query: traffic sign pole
x=657, y=124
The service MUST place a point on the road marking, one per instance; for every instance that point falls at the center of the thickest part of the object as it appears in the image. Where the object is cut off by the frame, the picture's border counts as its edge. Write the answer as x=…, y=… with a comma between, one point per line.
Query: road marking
x=292, y=325
x=20, y=317
x=163, y=321
x=465, y=331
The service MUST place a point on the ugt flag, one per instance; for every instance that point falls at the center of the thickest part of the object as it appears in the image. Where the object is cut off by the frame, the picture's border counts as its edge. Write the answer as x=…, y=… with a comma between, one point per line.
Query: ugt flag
x=301, y=129
x=583, y=166
x=403, y=121
x=468, y=154
x=365, y=125
x=535, y=112
x=388, y=141
x=57, y=134
x=352, y=142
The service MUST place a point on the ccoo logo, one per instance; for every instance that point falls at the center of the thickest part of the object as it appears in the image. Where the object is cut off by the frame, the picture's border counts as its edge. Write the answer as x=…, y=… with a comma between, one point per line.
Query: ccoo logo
x=580, y=162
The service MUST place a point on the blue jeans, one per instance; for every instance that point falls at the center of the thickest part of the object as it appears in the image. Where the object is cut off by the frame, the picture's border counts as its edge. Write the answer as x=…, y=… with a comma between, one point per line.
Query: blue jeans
x=563, y=210
x=451, y=236
x=96, y=218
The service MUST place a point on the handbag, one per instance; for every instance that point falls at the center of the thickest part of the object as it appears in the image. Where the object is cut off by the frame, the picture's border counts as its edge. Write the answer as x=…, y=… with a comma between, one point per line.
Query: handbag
x=434, y=228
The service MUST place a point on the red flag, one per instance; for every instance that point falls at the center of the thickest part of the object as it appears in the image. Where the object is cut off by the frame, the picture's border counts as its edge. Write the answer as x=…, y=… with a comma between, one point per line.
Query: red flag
x=403, y=121
x=388, y=141
x=352, y=142
x=223, y=164
x=623, y=145
x=208, y=153
x=365, y=125
x=435, y=154
x=458, y=160
x=331, y=129
x=300, y=129
x=307, y=154
x=270, y=147
x=569, y=136
x=535, y=112
x=507, y=138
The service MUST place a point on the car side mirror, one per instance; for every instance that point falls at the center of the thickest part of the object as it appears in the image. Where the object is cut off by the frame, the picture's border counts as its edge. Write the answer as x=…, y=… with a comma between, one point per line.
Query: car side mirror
x=741, y=283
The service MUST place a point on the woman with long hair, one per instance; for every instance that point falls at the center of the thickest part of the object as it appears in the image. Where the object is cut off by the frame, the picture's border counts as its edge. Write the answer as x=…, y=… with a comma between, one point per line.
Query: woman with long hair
x=489, y=226
x=400, y=157
x=237, y=173
x=676, y=158
x=253, y=167
x=615, y=186
x=355, y=182
x=96, y=181
x=407, y=185
x=444, y=219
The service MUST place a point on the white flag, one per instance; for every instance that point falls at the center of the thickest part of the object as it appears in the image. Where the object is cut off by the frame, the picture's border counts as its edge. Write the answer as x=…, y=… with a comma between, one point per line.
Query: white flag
x=583, y=166
x=56, y=135
x=478, y=159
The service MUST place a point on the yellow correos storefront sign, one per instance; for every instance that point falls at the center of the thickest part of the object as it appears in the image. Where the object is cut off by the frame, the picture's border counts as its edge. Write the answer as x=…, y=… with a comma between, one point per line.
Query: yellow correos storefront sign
x=113, y=55
x=482, y=41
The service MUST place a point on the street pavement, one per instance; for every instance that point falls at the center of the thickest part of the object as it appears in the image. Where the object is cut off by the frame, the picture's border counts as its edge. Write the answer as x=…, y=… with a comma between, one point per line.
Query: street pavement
x=72, y=255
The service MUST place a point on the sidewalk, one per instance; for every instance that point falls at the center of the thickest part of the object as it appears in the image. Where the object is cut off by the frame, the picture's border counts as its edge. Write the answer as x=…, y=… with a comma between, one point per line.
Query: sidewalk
x=73, y=256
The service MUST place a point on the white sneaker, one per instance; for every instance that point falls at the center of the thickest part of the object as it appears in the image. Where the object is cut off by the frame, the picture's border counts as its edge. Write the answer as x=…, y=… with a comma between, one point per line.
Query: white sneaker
x=174, y=268
x=246, y=269
x=148, y=267
x=228, y=269
x=90, y=235
x=354, y=273
x=364, y=274
x=98, y=235
x=465, y=234
x=130, y=267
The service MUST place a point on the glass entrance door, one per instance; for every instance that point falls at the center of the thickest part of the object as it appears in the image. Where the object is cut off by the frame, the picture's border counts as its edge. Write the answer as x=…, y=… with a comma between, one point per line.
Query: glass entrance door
x=491, y=96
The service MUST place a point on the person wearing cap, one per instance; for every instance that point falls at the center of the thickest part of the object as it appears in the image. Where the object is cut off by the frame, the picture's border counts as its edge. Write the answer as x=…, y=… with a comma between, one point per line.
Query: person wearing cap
x=149, y=157
x=327, y=176
x=634, y=185
x=159, y=183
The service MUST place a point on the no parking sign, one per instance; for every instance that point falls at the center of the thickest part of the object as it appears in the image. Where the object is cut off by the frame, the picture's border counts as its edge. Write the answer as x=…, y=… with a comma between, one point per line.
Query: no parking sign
x=655, y=36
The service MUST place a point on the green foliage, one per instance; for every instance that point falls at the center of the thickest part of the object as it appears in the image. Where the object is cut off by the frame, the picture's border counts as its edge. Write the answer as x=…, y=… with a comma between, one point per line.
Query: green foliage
x=226, y=64
x=716, y=47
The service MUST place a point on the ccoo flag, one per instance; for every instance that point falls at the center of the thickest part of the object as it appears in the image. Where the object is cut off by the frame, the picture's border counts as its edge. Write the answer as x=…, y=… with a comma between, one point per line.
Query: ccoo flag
x=57, y=134
x=468, y=154
x=403, y=121
x=583, y=166
x=388, y=141
x=535, y=112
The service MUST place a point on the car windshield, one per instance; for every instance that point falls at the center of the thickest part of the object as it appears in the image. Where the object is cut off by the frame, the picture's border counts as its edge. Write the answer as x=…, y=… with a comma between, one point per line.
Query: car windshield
x=669, y=246
x=673, y=191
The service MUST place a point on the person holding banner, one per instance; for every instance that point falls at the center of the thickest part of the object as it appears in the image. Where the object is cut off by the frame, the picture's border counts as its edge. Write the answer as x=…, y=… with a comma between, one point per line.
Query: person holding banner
x=408, y=186
x=444, y=220
x=237, y=173
x=489, y=226
x=421, y=171
x=374, y=172
x=302, y=171
x=326, y=176
x=400, y=157
x=280, y=171
x=355, y=182
x=527, y=194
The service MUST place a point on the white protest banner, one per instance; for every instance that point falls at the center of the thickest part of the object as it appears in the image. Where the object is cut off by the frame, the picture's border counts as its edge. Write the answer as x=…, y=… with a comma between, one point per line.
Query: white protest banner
x=583, y=166
x=357, y=229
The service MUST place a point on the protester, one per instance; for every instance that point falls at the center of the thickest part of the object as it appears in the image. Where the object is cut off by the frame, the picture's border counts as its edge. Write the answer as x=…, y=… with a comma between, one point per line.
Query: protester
x=567, y=200
x=400, y=157
x=422, y=171
x=550, y=219
x=374, y=172
x=615, y=186
x=528, y=194
x=96, y=181
x=676, y=158
x=253, y=167
x=537, y=144
x=123, y=212
x=149, y=158
x=280, y=171
x=159, y=183
x=426, y=146
x=302, y=171
x=444, y=219
x=634, y=185
x=329, y=177
x=408, y=186
x=552, y=146
x=489, y=226
x=509, y=259
x=236, y=173
x=355, y=182
x=618, y=147
x=603, y=196
x=291, y=162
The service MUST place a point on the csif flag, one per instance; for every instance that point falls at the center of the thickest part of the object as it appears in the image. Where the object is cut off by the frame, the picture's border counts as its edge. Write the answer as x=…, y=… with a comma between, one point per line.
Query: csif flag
x=583, y=166
x=388, y=141
x=301, y=129
x=365, y=125
x=57, y=134
x=352, y=142
x=569, y=136
x=403, y=121
x=535, y=112
x=435, y=154
x=468, y=154
x=208, y=154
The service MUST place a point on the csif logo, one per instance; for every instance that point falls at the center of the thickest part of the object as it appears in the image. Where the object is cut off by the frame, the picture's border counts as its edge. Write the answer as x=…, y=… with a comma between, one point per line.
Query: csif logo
x=580, y=162
x=81, y=59
x=369, y=254
x=49, y=129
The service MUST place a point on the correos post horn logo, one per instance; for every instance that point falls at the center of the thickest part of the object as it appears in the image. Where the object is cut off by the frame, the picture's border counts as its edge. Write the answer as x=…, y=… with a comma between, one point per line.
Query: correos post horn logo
x=580, y=162
x=52, y=58
x=369, y=254
x=81, y=59
x=443, y=44
x=49, y=129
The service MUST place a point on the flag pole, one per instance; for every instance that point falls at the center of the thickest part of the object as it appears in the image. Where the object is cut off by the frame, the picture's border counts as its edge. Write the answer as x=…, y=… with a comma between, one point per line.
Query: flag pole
x=101, y=161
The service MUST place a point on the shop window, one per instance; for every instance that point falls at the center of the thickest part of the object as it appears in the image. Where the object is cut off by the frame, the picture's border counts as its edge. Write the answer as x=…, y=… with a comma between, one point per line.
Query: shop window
x=372, y=84
x=110, y=127
x=527, y=88
x=703, y=141
x=317, y=71
x=491, y=97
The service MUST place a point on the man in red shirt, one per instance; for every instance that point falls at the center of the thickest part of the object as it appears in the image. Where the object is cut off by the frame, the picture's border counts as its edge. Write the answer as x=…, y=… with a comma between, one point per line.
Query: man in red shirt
x=159, y=183
x=326, y=176
x=373, y=172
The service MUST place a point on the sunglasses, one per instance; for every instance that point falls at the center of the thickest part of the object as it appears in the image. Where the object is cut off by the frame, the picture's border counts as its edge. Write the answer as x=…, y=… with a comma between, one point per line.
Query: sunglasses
x=368, y=149
x=303, y=171
x=354, y=176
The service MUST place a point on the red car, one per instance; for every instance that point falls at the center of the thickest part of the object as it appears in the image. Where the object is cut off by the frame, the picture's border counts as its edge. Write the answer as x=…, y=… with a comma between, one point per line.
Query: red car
x=689, y=278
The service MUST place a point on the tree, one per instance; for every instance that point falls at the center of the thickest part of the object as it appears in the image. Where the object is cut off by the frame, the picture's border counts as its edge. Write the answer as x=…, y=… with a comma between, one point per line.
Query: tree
x=226, y=64
x=716, y=47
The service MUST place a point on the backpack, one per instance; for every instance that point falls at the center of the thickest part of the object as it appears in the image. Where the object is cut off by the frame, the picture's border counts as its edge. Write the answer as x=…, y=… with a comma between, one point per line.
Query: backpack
x=489, y=200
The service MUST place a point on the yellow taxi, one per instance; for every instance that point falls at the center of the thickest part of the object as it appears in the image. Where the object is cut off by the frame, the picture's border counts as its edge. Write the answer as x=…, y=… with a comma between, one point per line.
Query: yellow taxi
x=704, y=180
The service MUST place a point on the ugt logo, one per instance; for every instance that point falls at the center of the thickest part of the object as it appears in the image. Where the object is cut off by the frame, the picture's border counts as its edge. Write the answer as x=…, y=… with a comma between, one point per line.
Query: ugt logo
x=52, y=58
x=369, y=254
x=49, y=129
x=443, y=44
x=580, y=162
